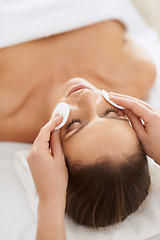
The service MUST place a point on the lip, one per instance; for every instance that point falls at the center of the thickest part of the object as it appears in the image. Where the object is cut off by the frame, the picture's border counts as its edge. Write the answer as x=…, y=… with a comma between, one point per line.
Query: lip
x=76, y=88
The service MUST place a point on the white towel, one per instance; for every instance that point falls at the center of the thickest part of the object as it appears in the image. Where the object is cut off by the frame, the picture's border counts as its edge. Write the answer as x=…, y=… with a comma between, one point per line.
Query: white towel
x=26, y=20
x=142, y=224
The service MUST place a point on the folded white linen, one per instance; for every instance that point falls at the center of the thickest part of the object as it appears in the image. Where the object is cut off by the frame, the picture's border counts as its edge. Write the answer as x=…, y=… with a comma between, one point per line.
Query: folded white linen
x=142, y=224
x=26, y=20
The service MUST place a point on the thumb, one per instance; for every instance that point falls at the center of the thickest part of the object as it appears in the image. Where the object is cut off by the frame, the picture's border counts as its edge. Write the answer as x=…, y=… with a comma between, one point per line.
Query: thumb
x=55, y=143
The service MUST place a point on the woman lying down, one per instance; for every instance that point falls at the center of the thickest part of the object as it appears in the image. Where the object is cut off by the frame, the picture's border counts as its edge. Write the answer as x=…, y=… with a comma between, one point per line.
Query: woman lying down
x=108, y=170
x=107, y=175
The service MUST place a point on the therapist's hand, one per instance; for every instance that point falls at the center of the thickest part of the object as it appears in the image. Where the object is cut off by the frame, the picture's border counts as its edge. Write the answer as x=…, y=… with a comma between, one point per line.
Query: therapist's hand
x=148, y=131
x=47, y=164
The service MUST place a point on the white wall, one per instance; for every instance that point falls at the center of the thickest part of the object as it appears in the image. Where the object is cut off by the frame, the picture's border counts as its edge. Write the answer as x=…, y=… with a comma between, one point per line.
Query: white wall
x=150, y=10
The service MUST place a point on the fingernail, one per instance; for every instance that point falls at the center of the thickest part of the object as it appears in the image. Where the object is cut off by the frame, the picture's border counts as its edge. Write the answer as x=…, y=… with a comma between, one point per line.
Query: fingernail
x=58, y=116
x=55, y=116
x=113, y=96
x=112, y=93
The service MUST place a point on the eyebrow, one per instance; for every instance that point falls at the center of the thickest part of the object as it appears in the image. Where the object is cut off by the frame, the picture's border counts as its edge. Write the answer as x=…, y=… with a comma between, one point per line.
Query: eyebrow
x=78, y=129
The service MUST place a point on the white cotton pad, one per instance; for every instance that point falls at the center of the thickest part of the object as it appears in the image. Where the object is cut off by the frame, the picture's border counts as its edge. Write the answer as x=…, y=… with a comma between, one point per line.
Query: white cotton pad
x=63, y=109
x=106, y=96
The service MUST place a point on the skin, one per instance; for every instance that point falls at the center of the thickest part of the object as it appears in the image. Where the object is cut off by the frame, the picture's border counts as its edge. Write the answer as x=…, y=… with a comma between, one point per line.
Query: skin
x=32, y=74
x=102, y=133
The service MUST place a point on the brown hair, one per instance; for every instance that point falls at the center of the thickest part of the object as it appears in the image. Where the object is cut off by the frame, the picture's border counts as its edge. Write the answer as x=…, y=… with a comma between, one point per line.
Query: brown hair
x=106, y=192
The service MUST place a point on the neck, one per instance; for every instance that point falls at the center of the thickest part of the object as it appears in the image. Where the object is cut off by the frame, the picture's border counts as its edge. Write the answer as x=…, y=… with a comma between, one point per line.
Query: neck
x=32, y=74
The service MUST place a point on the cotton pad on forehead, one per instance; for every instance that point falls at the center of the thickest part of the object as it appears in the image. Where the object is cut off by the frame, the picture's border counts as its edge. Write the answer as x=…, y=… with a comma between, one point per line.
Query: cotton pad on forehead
x=63, y=109
x=106, y=96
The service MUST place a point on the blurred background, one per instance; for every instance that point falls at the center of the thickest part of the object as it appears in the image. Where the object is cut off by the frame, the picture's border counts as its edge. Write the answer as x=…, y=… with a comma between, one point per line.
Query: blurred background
x=150, y=10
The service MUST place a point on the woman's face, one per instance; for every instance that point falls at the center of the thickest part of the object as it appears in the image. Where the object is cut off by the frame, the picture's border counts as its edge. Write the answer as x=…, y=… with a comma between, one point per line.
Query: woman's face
x=94, y=128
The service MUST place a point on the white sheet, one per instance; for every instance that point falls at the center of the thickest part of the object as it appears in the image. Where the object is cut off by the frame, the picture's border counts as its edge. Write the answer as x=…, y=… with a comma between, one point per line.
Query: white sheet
x=16, y=218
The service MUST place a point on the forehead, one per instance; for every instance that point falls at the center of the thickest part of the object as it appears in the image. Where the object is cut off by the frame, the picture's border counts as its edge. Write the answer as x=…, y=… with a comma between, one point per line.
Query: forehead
x=101, y=137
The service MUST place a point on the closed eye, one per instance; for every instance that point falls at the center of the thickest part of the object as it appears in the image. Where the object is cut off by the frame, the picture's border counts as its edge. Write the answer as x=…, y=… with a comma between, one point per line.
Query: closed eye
x=72, y=133
x=112, y=109
x=78, y=120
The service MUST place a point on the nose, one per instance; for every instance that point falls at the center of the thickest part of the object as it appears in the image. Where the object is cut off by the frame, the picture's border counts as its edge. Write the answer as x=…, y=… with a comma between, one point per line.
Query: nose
x=87, y=101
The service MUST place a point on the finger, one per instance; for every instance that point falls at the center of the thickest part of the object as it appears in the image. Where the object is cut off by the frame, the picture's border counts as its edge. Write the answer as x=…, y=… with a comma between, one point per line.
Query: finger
x=136, y=107
x=132, y=98
x=136, y=124
x=55, y=144
x=45, y=132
